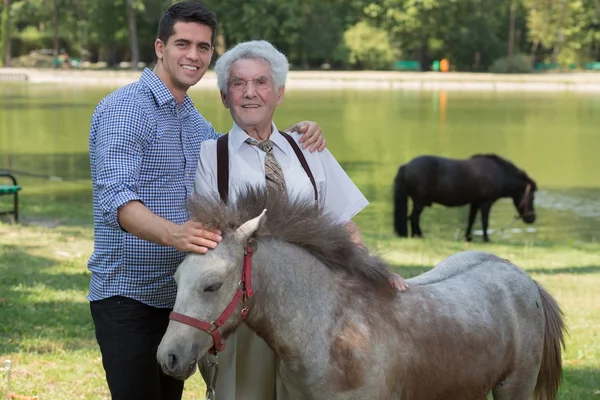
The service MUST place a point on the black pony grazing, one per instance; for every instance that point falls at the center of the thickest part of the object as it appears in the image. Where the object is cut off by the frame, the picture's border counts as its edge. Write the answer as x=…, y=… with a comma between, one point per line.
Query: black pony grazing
x=478, y=181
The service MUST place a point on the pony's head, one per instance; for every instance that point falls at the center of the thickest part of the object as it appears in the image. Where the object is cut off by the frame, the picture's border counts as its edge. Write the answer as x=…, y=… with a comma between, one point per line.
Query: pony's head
x=522, y=188
x=208, y=304
x=523, y=199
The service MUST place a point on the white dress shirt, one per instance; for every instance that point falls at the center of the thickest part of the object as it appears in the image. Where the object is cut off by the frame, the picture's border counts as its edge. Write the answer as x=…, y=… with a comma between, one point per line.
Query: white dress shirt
x=338, y=195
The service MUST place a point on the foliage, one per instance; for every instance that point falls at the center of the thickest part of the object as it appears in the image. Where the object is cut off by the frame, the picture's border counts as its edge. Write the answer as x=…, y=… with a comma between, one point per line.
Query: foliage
x=521, y=63
x=4, y=21
x=369, y=47
x=472, y=34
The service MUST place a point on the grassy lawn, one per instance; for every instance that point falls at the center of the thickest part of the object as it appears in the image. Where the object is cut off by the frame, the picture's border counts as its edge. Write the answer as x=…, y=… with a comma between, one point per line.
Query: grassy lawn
x=46, y=330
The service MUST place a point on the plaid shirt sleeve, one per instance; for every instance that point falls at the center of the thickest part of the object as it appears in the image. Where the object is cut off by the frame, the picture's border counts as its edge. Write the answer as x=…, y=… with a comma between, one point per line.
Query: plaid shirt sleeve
x=123, y=131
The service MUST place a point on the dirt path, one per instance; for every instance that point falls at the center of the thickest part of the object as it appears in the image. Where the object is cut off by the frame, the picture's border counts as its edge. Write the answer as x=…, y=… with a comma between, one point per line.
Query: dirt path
x=388, y=80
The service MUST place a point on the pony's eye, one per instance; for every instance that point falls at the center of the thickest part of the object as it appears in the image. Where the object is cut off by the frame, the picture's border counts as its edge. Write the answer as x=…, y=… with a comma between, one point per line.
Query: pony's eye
x=213, y=288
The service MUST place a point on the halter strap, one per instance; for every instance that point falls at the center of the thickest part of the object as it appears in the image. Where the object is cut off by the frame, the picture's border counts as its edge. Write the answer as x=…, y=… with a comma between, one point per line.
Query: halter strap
x=243, y=293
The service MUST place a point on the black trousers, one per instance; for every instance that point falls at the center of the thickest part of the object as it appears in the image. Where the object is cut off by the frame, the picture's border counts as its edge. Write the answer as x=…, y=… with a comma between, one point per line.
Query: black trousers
x=129, y=333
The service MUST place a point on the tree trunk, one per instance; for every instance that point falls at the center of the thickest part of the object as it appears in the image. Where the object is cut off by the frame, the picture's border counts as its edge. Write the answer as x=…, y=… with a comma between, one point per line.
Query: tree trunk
x=597, y=43
x=534, y=48
x=511, y=36
x=559, y=34
x=221, y=42
x=133, y=37
x=6, y=21
x=110, y=53
x=82, y=30
x=424, y=54
x=55, y=27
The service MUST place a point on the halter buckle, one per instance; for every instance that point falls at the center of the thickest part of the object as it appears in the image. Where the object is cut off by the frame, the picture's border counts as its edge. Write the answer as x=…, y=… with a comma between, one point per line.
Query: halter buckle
x=251, y=247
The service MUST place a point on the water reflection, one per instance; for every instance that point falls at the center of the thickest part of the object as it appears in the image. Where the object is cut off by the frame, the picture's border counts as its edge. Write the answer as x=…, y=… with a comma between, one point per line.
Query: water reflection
x=44, y=131
x=69, y=166
x=581, y=202
x=13, y=105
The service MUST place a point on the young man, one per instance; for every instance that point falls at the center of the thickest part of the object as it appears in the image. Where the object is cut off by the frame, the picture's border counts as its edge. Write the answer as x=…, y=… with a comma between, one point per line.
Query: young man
x=144, y=145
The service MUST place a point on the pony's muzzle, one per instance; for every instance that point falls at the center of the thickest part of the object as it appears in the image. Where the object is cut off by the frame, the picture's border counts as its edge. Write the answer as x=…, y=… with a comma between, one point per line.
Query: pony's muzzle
x=176, y=360
x=177, y=368
x=528, y=218
x=172, y=362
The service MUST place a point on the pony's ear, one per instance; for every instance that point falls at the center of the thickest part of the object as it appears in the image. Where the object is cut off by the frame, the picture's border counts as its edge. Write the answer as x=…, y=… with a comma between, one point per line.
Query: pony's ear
x=245, y=232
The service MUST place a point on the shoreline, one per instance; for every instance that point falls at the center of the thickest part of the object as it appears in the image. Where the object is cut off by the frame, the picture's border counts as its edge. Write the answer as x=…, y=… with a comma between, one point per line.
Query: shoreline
x=331, y=80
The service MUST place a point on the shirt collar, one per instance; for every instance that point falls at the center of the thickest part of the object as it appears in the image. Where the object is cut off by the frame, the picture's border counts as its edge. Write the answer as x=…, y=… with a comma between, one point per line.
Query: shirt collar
x=238, y=137
x=161, y=93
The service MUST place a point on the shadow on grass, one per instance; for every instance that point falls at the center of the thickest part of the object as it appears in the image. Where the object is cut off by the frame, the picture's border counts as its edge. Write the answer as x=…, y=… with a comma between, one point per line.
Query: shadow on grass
x=409, y=271
x=580, y=270
x=30, y=323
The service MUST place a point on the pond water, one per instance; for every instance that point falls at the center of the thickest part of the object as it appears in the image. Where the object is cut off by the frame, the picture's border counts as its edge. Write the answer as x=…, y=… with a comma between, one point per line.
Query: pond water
x=553, y=136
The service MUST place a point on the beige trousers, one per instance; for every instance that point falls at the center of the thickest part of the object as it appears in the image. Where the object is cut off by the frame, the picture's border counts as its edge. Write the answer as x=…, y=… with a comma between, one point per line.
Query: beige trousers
x=248, y=369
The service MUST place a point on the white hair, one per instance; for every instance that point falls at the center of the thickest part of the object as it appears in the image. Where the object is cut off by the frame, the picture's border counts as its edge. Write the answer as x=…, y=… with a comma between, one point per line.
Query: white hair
x=254, y=49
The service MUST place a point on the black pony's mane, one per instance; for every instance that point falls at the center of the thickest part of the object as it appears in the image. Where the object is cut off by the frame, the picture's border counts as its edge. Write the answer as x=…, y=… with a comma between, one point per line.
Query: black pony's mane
x=298, y=222
x=509, y=168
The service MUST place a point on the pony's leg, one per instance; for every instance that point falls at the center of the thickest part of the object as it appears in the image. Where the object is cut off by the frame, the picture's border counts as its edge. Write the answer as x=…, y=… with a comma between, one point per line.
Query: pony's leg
x=414, y=219
x=472, y=214
x=485, y=217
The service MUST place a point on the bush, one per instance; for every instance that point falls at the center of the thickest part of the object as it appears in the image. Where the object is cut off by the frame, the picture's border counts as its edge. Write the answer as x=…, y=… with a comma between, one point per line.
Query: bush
x=33, y=60
x=521, y=63
x=369, y=47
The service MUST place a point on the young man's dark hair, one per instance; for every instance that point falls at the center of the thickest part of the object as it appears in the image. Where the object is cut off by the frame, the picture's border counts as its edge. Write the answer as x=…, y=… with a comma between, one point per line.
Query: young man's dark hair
x=185, y=11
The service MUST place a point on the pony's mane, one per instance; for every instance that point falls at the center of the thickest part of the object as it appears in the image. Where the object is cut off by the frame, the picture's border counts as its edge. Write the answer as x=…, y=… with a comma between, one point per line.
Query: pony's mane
x=299, y=222
x=509, y=168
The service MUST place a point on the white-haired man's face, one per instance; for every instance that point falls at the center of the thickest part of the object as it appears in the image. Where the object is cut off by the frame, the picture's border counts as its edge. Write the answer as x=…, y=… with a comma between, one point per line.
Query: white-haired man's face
x=251, y=95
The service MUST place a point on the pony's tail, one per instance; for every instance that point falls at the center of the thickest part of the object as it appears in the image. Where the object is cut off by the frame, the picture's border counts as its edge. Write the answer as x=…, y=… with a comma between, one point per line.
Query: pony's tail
x=400, y=203
x=550, y=373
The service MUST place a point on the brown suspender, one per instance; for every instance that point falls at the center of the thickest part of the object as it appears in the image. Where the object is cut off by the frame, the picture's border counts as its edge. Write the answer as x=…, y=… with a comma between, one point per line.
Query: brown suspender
x=223, y=165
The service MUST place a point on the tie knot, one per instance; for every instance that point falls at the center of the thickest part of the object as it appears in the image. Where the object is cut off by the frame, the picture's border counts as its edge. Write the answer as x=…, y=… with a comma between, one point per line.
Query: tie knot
x=265, y=145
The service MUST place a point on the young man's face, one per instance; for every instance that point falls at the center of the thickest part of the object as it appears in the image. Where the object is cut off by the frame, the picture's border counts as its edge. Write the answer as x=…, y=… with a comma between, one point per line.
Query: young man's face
x=186, y=55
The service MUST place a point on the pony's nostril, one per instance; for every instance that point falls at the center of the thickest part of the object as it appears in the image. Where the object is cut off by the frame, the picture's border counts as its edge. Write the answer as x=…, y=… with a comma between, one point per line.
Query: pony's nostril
x=171, y=361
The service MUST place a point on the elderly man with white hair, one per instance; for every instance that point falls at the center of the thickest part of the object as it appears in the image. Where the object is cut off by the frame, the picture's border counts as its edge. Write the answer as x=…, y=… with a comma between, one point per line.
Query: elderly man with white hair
x=251, y=77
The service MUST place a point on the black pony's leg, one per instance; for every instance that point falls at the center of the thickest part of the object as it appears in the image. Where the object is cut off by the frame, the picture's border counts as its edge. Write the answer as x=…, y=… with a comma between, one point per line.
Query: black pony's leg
x=472, y=214
x=485, y=216
x=414, y=219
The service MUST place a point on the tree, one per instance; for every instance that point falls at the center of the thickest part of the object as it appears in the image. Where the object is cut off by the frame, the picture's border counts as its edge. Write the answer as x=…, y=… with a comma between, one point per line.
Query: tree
x=369, y=47
x=133, y=38
x=453, y=29
x=56, y=40
x=5, y=34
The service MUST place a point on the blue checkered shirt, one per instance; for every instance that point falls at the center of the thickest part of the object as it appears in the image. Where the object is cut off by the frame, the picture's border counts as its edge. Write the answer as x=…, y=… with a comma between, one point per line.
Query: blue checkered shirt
x=142, y=147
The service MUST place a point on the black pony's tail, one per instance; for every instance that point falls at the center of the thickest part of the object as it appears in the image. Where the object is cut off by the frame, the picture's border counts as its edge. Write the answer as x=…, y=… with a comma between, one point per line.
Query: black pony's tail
x=400, y=204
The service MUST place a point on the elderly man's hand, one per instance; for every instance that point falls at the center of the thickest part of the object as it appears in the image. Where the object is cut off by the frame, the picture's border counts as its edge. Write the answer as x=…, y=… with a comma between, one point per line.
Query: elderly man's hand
x=398, y=282
x=312, y=135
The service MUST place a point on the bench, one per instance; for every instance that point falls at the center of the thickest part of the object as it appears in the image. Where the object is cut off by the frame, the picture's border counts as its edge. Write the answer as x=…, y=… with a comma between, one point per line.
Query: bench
x=592, y=66
x=407, y=65
x=8, y=190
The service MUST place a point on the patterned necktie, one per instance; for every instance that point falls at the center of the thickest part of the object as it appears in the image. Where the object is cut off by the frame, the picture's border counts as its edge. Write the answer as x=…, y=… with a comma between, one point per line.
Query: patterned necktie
x=273, y=172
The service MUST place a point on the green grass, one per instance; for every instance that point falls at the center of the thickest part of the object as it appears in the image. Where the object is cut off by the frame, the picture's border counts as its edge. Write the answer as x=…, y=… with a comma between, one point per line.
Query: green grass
x=47, y=333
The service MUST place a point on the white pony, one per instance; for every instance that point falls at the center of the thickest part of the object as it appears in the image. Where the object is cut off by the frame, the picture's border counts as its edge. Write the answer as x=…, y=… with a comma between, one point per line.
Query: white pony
x=473, y=324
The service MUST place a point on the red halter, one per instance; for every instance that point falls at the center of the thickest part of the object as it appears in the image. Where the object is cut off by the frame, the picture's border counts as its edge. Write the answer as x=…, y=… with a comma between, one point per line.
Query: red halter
x=525, y=200
x=243, y=293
